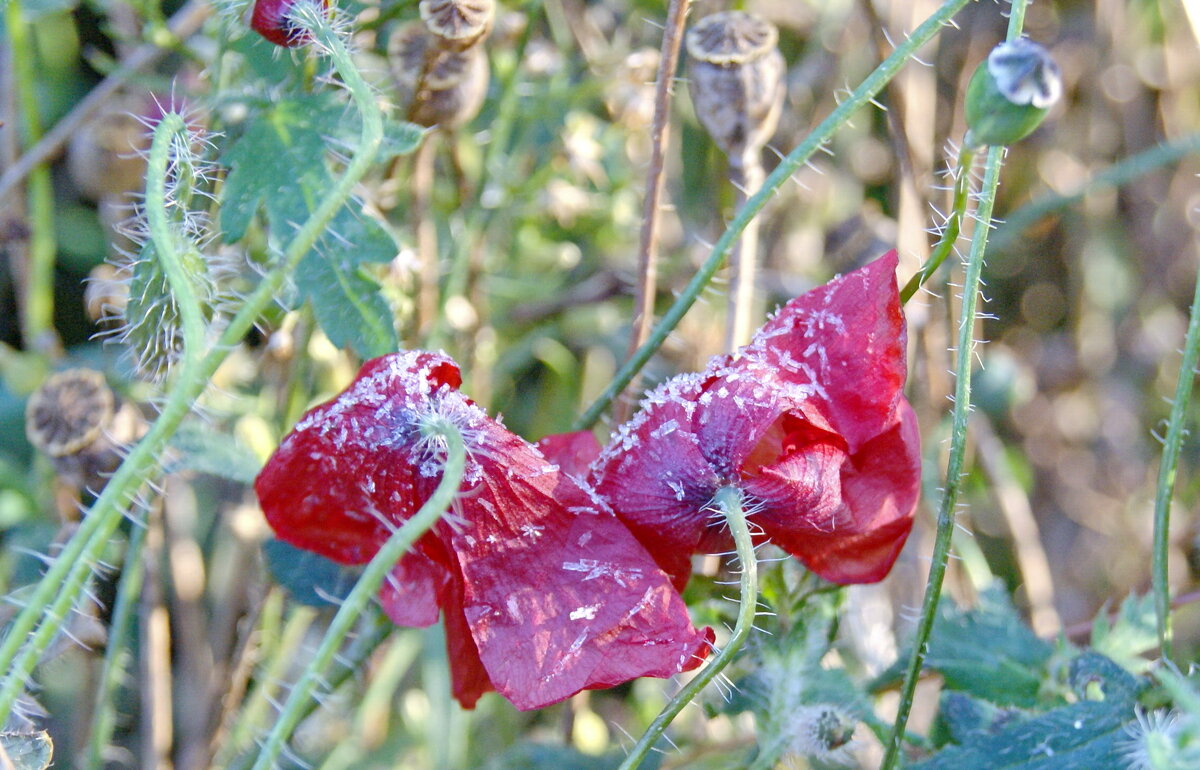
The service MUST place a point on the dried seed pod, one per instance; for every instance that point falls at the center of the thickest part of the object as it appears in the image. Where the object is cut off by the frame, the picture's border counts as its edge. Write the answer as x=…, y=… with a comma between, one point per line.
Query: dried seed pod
x=458, y=24
x=439, y=87
x=77, y=420
x=735, y=77
x=105, y=157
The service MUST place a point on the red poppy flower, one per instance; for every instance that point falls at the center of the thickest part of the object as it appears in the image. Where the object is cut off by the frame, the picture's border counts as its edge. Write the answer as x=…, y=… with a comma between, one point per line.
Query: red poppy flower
x=809, y=421
x=545, y=591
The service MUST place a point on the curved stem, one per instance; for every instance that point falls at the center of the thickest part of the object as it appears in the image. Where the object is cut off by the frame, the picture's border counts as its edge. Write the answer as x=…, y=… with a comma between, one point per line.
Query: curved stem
x=953, y=227
x=170, y=129
x=1166, y=475
x=729, y=500
x=958, y=432
x=866, y=91
x=61, y=586
x=366, y=588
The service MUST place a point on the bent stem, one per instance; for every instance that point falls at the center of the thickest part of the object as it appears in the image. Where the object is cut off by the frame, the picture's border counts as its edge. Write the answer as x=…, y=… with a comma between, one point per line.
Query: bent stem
x=729, y=501
x=367, y=586
x=1166, y=475
x=62, y=585
x=952, y=228
x=866, y=91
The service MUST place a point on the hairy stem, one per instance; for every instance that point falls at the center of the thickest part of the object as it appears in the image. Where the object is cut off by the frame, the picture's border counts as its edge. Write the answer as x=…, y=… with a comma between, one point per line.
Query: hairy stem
x=63, y=582
x=952, y=228
x=660, y=133
x=366, y=588
x=862, y=95
x=729, y=501
x=1166, y=474
x=958, y=432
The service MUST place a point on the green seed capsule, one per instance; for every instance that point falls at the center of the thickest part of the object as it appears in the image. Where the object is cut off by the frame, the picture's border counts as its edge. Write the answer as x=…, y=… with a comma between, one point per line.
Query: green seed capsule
x=1010, y=93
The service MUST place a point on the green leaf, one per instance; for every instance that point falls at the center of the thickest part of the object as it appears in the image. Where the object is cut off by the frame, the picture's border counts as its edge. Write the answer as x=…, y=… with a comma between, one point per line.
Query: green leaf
x=279, y=165
x=207, y=451
x=1085, y=735
x=310, y=578
x=540, y=756
x=986, y=651
x=1129, y=635
x=26, y=751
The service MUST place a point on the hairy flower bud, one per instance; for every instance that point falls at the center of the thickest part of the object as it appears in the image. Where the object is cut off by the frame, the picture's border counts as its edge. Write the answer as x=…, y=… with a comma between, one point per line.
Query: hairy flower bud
x=735, y=77
x=1010, y=93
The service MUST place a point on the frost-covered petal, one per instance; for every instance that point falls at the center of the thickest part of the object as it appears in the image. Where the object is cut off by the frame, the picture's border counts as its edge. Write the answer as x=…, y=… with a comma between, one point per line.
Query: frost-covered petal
x=416, y=589
x=559, y=595
x=845, y=341
x=345, y=477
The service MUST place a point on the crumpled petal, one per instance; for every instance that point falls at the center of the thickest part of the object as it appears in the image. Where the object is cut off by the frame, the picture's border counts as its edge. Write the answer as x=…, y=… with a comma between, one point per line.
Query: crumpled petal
x=545, y=592
x=809, y=422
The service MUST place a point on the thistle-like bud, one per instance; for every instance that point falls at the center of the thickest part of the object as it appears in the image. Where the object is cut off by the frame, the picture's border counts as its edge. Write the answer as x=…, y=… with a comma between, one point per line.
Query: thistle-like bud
x=735, y=77
x=1010, y=93
x=441, y=82
x=77, y=420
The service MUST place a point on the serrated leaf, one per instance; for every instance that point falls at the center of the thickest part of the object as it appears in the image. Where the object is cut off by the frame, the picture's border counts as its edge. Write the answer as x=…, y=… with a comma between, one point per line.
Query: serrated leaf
x=209, y=452
x=1128, y=636
x=1085, y=735
x=986, y=651
x=310, y=578
x=26, y=751
x=278, y=164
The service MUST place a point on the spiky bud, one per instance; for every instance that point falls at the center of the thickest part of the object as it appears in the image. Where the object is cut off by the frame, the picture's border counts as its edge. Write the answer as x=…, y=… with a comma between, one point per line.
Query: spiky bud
x=735, y=77
x=1010, y=93
x=273, y=20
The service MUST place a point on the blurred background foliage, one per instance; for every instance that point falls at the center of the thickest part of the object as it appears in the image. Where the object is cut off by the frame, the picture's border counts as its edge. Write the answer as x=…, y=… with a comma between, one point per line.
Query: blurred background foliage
x=1088, y=283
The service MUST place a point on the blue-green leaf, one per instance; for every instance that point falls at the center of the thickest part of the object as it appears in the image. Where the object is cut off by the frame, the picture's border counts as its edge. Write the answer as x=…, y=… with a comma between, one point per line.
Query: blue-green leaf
x=310, y=578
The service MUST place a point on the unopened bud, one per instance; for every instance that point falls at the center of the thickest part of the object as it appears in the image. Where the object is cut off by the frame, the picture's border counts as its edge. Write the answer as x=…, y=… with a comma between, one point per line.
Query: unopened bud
x=1010, y=93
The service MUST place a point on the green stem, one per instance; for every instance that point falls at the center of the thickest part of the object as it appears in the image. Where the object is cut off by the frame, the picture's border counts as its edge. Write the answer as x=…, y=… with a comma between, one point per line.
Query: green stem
x=38, y=291
x=170, y=129
x=945, y=244
x=958, y=431
x=366, y=588
x=862, y=95
x=117, y=649
x=62, y=584
x=729, y=500
x=1166, y=474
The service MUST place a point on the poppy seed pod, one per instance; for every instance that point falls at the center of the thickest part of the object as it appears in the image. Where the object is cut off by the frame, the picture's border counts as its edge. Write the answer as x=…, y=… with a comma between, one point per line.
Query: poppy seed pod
x=459, y=24
x=1010, y=93
x=439, y=87
x=735, y=77
x=76, y=420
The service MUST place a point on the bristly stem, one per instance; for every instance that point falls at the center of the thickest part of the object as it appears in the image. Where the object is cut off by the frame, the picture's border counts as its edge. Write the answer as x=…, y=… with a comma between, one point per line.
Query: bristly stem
x=660, y=132
x=1166, y=474
x=61, y=586
x=862, y=95
x=958, y=432
x=366, y=588
x=729, y=501
x=953, y=226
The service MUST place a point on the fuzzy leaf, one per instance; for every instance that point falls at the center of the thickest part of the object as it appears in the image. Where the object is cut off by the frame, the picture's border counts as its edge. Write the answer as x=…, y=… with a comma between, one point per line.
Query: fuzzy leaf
x=279, y=164
x=213, y=453
x=986, y=652
x=1084, y=735
x=26, y=751
x=310, y=578
x=1129, y=635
